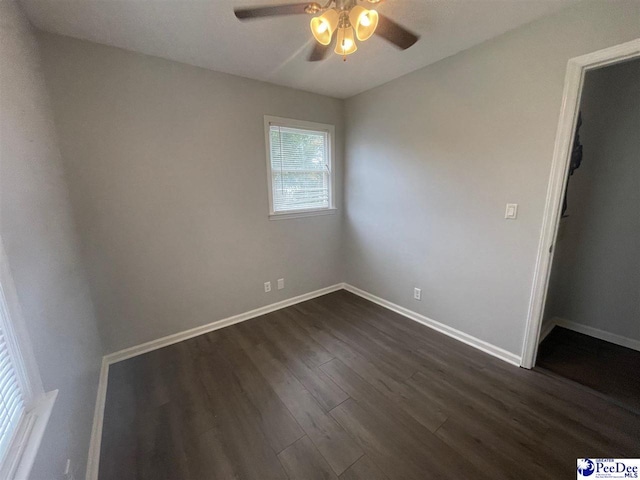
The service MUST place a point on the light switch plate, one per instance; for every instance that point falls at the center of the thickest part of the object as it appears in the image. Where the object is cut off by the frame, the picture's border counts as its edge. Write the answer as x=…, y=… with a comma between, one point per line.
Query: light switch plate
x=511, y=212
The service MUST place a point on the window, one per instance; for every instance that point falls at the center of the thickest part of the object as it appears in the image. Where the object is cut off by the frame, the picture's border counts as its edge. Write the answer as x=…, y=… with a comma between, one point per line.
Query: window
x=11, y=396
x=299, y=164
x=24, y=407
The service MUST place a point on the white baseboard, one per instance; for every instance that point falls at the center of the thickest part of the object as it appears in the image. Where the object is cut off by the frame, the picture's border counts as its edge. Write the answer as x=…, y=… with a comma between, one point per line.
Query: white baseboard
x=210, y=327
x=486, y=347
x=597, y=333
x=96, y=434
x=98, y=417
x=547, y=326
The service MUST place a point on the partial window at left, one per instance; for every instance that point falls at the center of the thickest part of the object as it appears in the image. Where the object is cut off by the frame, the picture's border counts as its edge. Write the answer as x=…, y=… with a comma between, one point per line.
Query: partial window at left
x=24, y=407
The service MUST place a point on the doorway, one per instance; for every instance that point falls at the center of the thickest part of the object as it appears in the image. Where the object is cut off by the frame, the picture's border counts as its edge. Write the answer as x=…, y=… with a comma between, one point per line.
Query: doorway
x=577, y=69
x=592, y=313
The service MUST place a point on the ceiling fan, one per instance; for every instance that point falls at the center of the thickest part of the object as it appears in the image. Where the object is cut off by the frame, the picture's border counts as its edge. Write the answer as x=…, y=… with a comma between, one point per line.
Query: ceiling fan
x=346, y=18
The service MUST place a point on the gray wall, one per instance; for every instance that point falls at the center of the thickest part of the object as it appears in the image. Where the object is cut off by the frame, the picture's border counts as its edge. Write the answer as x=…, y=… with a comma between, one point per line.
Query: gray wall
x=596, y=270
x=42, y=249
x=167, y=173
x=165, y=165
x=433, y=157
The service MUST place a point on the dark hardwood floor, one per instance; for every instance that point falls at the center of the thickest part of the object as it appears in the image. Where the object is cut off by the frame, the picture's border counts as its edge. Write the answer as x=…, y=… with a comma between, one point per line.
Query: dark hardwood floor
x=608, y=368
x=338, y=387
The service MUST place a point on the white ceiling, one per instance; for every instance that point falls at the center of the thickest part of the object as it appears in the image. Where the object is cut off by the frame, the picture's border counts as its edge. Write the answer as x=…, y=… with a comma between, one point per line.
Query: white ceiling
x=206, y=33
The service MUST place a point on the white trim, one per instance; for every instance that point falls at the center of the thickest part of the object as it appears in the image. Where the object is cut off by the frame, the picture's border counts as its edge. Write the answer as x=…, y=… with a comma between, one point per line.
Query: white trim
x=93, y=462
x=330, y=130
x=26, y=437
x=210, y=327
x=597, y=333
x=303, y=213
x=574, y=79
x=17, y=336
x=35, y=424
x=547, y=328
x=486, y=347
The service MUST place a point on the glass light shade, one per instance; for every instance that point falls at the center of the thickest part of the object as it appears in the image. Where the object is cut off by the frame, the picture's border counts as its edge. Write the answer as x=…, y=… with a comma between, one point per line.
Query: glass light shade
x=364, y=21
x=346, y=43
x=323, y=26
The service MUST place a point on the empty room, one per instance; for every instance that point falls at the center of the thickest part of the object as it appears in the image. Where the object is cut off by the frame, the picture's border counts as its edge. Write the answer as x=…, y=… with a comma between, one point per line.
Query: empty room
x=351, y=239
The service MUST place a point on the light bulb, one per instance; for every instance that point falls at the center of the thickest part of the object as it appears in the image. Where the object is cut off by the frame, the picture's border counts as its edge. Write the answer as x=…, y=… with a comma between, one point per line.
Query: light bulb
x=346, y=43
x=322, y=27
x=364, y=21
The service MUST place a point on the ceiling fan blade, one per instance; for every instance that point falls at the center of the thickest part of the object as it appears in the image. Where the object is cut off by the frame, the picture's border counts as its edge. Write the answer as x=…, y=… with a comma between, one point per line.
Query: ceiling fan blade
x=319, y=52
x=395, y=33
x=287, y=9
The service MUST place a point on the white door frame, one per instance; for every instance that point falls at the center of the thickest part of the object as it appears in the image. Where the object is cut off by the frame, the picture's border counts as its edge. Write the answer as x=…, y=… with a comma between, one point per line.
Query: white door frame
x=574, y=79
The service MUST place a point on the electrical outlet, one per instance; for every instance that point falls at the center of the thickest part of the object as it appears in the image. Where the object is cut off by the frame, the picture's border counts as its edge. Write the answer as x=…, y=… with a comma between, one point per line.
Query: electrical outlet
x=267, y=287
x=280, y=283
x=417, y=293
x=511, y=212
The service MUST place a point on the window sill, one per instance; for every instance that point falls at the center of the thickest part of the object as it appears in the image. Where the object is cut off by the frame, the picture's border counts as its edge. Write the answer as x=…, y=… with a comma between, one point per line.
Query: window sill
x=25, y=449
x=302, y=214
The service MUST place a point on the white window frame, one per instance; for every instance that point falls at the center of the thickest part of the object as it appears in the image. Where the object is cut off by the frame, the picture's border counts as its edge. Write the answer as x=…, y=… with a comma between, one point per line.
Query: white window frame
x=38, y=405
x=269, y=121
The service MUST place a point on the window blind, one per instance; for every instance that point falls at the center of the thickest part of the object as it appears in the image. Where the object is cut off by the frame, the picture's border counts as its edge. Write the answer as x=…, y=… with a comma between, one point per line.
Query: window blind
x=11, y=396
x=300, y=169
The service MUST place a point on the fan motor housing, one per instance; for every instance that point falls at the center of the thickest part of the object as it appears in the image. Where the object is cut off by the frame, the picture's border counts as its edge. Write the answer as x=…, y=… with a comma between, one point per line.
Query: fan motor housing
x=345, y=4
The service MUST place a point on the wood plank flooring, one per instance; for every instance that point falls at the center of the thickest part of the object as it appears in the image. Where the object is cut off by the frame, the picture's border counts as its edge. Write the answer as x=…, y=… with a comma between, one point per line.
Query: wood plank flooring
x=603, y=366
x=338, y=387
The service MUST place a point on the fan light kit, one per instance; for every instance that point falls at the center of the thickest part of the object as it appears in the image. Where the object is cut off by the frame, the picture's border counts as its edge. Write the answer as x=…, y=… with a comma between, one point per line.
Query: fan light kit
x=346, y=19
x=341, y=20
